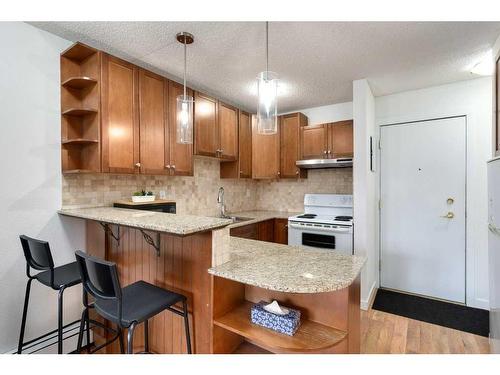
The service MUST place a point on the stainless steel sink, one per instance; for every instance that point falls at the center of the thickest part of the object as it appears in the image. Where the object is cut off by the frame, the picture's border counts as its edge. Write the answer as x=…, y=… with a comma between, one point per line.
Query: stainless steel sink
x=238, y=219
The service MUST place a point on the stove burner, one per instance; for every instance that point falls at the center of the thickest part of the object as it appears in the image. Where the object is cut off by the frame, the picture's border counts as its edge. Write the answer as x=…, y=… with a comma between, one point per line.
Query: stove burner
x=307, y=216
x=343, y=218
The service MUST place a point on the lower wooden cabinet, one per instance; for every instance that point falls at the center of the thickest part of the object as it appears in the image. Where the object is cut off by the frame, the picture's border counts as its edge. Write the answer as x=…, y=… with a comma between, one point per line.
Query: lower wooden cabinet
x=272, y=230
x=281, y=231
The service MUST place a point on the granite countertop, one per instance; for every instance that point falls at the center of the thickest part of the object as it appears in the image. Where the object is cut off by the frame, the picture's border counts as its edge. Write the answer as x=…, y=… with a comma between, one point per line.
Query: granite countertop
x=260, y=215
x=292, y=269
x=149, y=220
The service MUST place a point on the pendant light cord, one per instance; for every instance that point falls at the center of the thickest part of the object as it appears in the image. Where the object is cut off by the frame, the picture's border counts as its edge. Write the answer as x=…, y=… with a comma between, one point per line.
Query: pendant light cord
x=185, y=48
x=267, y=50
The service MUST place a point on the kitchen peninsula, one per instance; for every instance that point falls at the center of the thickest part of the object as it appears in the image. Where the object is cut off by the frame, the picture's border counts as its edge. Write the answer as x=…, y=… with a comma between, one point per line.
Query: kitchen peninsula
x=222, y=276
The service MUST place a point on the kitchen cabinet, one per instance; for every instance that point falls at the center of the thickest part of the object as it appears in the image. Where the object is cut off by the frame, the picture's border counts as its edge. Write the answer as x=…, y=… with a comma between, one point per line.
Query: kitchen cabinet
x=281, y=231
x=180, y=155
x=341, y=139
x=290, y=134
x=153, y=124
x=331, y=140
x=265, y=153
x=206, y=141
x=249, y=231
x=120, y=117
x=215, y=128
x=265, y=230
x=227, y=132
x=242, y=168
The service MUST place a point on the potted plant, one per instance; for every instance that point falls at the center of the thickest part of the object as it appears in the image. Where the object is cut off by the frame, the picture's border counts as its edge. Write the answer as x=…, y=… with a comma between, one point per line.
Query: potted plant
x=143, y=196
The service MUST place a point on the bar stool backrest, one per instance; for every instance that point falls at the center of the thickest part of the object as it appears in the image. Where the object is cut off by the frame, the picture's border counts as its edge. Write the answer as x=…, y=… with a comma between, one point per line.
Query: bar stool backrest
x=38, y=256
x=100, y=278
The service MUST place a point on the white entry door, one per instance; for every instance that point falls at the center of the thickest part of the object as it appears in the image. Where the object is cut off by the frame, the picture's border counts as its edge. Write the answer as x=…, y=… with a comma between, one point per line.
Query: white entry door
x=422, y=217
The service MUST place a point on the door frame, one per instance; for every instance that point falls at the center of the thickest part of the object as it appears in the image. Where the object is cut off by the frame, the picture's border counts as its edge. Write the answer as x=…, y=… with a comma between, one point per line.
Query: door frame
x=402, y=123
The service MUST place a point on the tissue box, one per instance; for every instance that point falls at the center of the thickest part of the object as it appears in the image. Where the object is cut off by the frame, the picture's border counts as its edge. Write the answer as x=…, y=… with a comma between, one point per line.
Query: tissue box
x=286, y=324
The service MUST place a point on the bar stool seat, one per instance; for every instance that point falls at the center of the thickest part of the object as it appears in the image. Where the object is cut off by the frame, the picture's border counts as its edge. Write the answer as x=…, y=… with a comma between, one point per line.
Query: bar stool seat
x=140, y=301
x=67, y=275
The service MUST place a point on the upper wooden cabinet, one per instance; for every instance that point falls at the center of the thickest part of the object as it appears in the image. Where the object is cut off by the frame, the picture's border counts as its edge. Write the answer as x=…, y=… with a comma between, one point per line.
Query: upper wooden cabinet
x=215, y=128
x=206, y=140
x=181, y=155
x=228, y=132
x=265, y=153
x=341, y=139
x=290, y=134
x=331, y=140
x=314, y=142
x=153, y=123
x=120, y=117
x=242, y=168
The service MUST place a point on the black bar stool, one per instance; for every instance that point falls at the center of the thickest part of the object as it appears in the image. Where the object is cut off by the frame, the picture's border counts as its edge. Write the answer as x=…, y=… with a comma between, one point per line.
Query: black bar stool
x=39, y=257
x=128, y=306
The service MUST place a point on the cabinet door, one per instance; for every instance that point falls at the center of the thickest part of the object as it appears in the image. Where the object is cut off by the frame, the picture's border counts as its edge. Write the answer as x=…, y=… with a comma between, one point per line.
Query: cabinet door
x=281, y=231
x=266, y=230
x=341, y=139
x=290, y=145
x=153, y=129
x=314, y=141
x=245, y=145
x=246, y=231
x=228, y=131
x=265, y=153
x=181, y=155
x=120, y=117
x=206, y=141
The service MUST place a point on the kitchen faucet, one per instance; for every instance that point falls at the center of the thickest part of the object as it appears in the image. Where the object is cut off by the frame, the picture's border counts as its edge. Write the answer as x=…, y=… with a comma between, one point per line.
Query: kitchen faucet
x=220, y=201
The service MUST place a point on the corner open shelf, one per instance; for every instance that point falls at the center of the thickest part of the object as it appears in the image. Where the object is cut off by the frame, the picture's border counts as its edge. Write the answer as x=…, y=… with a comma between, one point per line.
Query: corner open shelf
x=79, y=82
x=310, y=336
x=80, y=117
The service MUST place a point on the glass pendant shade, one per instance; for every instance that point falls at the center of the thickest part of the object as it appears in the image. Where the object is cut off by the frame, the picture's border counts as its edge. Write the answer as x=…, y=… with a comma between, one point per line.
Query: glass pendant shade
x=185, y=119
x=267, y=109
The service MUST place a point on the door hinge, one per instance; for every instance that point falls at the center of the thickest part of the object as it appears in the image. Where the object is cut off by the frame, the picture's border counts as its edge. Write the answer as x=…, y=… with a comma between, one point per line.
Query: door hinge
x=380, y=204
x=379, y=265
x=379, y=145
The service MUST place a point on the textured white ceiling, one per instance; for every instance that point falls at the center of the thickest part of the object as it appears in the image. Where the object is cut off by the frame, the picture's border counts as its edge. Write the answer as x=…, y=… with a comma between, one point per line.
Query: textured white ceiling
x=316, y=61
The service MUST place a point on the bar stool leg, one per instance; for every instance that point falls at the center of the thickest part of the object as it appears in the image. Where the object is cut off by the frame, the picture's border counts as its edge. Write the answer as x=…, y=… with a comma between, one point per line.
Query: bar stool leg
x=130, y=338
x=146, y=337
x=186, y=326
x=88, y=330
x=60, y=321
x=25, y=313
x=120, y=338
x=80, y=332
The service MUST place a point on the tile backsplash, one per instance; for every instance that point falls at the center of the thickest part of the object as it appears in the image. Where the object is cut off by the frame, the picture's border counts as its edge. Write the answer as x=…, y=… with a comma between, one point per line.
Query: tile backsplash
x=197, y=195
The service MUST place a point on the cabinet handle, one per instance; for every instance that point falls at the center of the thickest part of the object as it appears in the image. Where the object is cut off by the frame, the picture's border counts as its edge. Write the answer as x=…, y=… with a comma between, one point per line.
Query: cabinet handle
x=279, y=173
x=329, y=152
x=173, y=166
x=167, y=166
x=138, y=165
x=325, y=152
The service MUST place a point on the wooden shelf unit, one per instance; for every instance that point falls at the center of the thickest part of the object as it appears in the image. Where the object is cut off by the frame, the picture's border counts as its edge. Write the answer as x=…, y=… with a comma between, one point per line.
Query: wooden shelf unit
x=310, y=337
x=80, y=117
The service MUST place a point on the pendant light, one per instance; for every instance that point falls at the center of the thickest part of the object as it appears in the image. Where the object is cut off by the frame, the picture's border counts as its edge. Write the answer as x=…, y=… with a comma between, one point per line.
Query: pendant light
x=185, y=102
x=267, y=88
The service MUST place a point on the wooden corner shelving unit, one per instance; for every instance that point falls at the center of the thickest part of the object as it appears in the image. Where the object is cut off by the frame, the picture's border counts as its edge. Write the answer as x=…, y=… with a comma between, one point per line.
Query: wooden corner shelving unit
x=80, y=117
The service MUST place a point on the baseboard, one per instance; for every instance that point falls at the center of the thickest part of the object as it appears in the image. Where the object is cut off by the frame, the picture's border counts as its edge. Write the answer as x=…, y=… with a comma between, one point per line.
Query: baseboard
x=48, y=345
x=365, y=304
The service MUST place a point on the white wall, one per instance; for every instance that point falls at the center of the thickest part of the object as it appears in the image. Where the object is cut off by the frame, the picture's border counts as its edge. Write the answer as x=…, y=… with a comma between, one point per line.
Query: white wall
x=365, y=189
x=473, y=99
x=328, y=113
x=31, y=178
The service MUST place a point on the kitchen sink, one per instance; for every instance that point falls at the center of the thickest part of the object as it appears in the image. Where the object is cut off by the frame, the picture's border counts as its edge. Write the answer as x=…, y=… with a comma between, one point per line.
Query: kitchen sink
x=238, y=219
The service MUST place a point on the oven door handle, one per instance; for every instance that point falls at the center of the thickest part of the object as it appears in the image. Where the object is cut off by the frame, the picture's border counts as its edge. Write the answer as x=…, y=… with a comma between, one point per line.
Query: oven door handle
x=332, y=230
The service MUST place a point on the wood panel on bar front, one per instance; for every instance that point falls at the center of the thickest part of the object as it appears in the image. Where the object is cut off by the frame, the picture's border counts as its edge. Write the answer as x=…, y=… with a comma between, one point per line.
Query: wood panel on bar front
x=181, y=267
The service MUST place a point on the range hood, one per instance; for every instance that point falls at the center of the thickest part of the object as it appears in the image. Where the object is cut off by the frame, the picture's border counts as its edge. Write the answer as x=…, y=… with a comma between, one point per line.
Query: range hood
x=324, y=163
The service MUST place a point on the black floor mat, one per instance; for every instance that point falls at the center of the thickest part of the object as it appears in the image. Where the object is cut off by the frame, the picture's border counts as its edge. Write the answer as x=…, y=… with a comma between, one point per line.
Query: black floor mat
x=445, y=314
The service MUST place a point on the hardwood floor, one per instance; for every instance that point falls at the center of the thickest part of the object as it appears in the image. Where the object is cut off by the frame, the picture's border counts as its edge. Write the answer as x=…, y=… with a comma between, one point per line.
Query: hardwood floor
x=384, y=333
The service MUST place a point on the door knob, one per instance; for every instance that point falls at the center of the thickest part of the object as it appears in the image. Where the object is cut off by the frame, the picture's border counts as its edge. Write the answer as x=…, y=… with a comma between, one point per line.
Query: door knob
x=450, y=201
x=449, y=215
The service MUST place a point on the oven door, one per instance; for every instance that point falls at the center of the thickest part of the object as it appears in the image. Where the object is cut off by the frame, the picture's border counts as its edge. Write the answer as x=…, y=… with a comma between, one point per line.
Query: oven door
x=325, y=236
